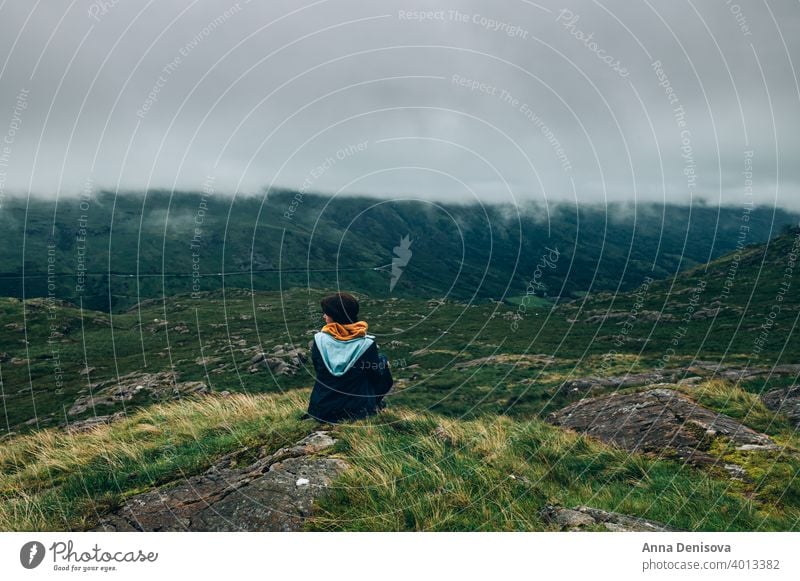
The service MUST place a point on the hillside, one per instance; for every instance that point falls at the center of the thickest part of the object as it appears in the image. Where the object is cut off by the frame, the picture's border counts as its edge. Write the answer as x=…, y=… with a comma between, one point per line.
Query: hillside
x=54, y=355
x=110, y=252
x=504, y=416
x=743, y=307
x=403, y=470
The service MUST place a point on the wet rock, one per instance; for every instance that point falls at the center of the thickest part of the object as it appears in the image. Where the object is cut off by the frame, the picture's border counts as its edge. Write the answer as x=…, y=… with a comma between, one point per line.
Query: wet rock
x=580, y=517
x=658, y=420
x=263, y=496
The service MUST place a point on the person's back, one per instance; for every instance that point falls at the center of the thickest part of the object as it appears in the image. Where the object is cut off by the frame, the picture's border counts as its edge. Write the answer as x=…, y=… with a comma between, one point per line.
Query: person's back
x=352, y=376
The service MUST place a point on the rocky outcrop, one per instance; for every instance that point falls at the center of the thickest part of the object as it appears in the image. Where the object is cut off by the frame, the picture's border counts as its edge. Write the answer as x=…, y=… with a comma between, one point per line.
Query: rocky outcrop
x=736, y=374
x=274, y=493
x=523, y=360
x=158, y=386
x=594, y=383
x=90, y=423
x=695, y=373
x=581, y=517
x=648, y=316
x=282, y=360
x=785, y=400
x=659, y=420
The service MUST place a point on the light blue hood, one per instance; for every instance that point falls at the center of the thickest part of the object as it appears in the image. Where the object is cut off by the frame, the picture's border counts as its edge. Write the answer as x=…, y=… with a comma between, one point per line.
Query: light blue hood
x=340, y=356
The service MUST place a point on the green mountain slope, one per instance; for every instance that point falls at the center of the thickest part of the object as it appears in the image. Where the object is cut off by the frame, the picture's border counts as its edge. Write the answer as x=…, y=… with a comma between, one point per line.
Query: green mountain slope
x=172, y=386
x=53, y=354
x=111, y=252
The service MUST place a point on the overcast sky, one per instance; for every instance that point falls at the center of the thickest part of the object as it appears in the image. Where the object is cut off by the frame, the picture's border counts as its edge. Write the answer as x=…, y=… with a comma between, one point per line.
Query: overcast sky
x=501, y=101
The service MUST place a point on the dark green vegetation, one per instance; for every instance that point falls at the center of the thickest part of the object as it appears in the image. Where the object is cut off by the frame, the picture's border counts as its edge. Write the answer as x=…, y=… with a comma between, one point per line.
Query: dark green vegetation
x=459, y=252
x=435, y=344
x=739, y=310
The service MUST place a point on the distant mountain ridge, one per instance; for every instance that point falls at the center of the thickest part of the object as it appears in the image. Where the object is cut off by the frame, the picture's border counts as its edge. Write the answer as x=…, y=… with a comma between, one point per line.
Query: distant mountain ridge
x=110, y=252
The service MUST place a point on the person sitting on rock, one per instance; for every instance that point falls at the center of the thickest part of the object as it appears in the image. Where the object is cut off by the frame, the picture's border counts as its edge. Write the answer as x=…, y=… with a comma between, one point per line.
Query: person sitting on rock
x=352, y=376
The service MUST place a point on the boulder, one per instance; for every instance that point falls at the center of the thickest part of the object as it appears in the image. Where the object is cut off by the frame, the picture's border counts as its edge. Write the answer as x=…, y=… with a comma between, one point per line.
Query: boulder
x=274, y=493
x=785, y=400
x=580, y=517
x=90, y=423
x=158, y=386
x=659, y=420
x=698, y=372
x=282, y=360
x=594, y=383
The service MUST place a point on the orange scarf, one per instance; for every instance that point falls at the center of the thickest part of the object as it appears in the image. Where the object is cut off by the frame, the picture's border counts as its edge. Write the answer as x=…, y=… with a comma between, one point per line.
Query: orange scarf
x=346, y=332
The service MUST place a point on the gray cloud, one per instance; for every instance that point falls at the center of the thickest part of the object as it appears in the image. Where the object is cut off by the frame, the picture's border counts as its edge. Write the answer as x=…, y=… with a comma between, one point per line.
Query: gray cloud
x=499, y=101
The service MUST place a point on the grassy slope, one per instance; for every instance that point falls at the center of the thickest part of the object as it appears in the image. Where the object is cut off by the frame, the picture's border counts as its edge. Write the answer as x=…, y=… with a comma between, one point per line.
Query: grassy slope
x=748, y=290
x=405, y=476
x=49, y=481
x=412, y=470
x=426, y=338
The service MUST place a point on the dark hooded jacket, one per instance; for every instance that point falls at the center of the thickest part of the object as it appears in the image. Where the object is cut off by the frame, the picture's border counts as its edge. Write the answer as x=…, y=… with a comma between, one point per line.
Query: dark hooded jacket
x=352, y=378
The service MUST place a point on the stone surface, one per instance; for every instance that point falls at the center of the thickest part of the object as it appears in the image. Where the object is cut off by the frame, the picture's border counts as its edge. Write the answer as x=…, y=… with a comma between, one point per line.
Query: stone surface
x=593, y=383
x=90, y=423
x=158, y=386
x=519, y=360
x=282, y=360
x=696, y=373
x=736, y=374
x=263, y=496
x=657, y=420
x=580, y=517
x=785, y=400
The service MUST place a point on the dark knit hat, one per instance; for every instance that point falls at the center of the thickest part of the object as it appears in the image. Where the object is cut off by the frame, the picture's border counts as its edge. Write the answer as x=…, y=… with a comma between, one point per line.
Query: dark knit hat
x=341, y=307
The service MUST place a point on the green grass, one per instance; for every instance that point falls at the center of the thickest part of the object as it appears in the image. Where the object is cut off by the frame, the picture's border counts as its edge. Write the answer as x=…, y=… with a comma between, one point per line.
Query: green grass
x=53, y=481
x=422, y=472
x=404, y=476
x=410, y=470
